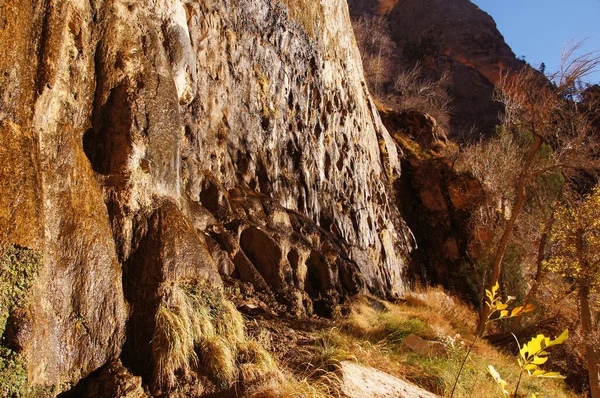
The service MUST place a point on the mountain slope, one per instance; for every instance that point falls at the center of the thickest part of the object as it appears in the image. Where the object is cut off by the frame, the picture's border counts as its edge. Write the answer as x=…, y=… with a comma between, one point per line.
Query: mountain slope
x=454, y=36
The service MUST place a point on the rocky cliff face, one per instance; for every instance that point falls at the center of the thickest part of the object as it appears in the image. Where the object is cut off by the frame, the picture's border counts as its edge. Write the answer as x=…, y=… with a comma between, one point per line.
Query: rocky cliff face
x=147, y=145
x=454, y=36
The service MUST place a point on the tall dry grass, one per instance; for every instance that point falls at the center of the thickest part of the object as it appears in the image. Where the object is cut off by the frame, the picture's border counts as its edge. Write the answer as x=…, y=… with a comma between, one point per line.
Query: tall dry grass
x=198, y=331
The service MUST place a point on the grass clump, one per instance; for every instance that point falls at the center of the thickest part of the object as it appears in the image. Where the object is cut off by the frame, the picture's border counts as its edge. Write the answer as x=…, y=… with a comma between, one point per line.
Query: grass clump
x=388, y=323
x=219, y=360
x=180, y=325
x=200, y=331
x=256, y=364
x=290, y=387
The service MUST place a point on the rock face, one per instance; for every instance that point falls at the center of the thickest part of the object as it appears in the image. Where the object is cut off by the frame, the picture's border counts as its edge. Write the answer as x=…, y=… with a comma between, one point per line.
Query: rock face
x=455, y=36
x=150, y=143
x=437, y=203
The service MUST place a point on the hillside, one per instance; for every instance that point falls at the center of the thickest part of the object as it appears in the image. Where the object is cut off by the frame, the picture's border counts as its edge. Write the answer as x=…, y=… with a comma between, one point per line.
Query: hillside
x=455, y=37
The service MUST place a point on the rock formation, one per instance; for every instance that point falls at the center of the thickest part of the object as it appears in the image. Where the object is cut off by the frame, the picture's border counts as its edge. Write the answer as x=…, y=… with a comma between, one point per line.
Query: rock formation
x=146, y=145
x=454, y=36
x=436, y=201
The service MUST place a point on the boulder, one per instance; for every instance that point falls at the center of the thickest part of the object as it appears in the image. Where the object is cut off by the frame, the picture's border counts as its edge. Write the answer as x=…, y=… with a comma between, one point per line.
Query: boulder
x=424, y=347
x=359, y=381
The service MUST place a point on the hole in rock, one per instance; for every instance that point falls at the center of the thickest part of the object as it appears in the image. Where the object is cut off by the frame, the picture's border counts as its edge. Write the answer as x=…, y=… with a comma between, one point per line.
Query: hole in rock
x=340, y=163
x=108, y=146
x=209, y=197
x=263, y=178
x=294, y=260
x=263, y=252
x=318, y=280
x=327, y=162
x=326, y=220
x=266, y=122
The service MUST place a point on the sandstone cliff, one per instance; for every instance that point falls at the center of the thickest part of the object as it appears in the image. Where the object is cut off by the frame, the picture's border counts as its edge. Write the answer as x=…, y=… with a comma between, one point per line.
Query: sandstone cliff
x=453, y=36
x=151, y=145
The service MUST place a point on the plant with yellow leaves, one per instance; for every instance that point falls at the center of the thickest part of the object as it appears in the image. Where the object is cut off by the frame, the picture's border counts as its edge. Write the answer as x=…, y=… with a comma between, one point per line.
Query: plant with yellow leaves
x=497, y=310
x=531, y=355
x=576, y=235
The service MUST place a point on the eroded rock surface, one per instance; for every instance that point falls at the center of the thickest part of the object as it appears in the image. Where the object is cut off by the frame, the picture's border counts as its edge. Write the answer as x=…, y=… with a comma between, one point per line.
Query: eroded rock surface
x=145, y=144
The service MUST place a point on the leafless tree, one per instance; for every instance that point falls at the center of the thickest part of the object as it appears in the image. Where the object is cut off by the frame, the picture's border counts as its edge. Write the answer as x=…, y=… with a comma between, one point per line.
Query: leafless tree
x=556, y=137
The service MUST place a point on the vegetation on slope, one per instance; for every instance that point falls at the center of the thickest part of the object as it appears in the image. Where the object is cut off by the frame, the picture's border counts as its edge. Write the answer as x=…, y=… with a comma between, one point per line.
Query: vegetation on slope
x=374, y=331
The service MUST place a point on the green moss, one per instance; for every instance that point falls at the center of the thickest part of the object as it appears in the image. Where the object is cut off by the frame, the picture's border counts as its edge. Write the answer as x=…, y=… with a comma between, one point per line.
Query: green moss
x=413, y=148
x=13, y=375
x=19, y=267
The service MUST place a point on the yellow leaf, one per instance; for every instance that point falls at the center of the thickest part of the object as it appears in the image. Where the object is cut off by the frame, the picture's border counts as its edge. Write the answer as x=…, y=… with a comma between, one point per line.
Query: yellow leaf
x=501, y=383
x=562, y=338
x=516, y=311
x=495, y=289
x=539, y=360
x=529, y=308
x=552, y=375
x=535, y=345
x=501, y=306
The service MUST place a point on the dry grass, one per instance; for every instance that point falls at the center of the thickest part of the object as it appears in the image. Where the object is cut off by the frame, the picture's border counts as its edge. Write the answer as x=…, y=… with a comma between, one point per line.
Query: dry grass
x=179, y=328
x=203, y=332
x=218, y=359
x=391, y=324
x=447, y=309
x=373, y=334
x=257, y=365
x=197, y=331
x=320, y=381
x=290, y=387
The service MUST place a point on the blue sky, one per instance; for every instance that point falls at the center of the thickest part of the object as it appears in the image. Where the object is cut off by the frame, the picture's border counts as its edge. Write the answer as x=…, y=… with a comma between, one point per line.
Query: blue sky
x=540, y=29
